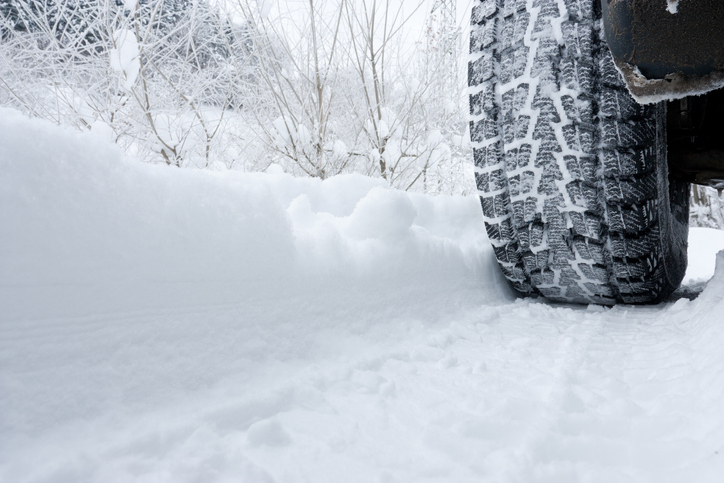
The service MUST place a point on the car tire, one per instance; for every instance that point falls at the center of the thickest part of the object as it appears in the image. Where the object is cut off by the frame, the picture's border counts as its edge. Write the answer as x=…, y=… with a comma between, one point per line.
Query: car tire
x=571, y=172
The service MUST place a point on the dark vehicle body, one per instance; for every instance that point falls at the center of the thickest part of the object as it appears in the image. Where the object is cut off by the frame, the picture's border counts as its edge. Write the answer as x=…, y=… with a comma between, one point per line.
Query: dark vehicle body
x=674, y=51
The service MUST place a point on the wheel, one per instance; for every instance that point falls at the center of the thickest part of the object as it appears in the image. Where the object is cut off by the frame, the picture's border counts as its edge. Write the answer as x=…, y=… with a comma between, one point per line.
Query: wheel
x=571, y=171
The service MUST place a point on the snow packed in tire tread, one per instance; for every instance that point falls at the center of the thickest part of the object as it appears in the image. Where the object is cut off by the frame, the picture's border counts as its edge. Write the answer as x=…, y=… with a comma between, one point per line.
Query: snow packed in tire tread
x=567, y=165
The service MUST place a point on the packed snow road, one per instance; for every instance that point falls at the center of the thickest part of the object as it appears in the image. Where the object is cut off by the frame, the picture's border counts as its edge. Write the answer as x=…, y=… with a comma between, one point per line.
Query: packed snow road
x=179, y=326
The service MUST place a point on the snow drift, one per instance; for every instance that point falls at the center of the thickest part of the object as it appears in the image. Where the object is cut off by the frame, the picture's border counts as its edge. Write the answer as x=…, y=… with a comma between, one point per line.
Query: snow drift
x=92, y=244
x=77, y=215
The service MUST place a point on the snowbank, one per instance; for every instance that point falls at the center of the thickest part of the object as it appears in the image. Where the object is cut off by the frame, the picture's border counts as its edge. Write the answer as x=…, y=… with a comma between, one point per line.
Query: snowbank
x=76, y=214
x=127, y=288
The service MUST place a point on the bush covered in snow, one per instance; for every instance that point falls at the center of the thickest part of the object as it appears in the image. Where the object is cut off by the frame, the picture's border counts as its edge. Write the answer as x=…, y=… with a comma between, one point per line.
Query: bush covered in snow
x=324, y=89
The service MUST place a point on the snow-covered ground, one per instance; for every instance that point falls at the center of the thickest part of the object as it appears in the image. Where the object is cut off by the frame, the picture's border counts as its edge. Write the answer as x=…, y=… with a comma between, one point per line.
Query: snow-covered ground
x=166, y=325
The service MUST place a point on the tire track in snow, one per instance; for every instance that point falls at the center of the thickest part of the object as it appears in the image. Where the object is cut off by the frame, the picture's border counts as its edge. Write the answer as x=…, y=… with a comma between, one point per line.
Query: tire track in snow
x=619, y=410
x=522, y=392
x=571, y=344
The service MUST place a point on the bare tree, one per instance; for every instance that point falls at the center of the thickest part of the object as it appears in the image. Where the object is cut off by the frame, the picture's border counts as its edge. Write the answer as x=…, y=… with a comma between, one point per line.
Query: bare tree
x=299, y=71
x=406, y=96
x=184, y=85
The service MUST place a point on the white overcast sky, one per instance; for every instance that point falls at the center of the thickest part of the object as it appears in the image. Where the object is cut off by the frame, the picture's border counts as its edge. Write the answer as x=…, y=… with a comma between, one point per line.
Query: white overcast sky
x=421, y=8
x=414, y=28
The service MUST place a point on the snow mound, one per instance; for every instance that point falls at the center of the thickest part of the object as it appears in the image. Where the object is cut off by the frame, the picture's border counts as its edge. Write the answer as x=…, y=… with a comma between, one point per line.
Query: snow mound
x=129, y=288
x=75, y=213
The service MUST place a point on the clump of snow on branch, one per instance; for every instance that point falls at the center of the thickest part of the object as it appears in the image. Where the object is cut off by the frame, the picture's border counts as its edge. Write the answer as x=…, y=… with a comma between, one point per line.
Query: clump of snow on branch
x=125, y=56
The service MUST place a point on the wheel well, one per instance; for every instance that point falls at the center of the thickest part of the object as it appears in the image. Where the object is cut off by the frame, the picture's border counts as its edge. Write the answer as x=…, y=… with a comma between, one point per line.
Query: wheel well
x=695, y=130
